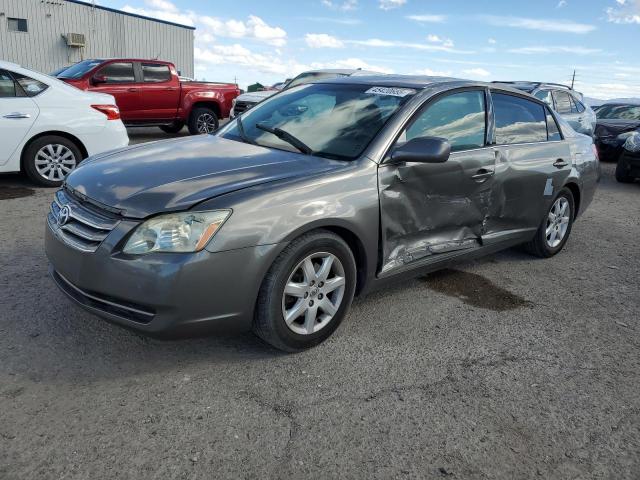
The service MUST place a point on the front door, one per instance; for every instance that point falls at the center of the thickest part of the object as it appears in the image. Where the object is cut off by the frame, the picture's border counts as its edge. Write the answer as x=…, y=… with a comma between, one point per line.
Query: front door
x=119, y=79
x=18, y=112
x=431, y=209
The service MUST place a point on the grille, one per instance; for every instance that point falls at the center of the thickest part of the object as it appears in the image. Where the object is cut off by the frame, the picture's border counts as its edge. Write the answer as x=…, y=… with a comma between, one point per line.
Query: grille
x=79, y=224
x=242, y=106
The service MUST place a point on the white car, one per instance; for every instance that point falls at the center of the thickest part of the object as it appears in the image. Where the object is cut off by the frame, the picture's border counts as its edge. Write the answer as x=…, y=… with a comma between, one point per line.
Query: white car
x=48, y=127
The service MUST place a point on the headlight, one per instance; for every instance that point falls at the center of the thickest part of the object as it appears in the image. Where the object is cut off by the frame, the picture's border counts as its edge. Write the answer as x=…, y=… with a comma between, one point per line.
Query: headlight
x=625, y=135
x=176, y=232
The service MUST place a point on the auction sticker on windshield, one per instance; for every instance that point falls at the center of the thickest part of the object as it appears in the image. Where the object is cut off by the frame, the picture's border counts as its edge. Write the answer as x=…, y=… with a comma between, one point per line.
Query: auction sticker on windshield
x=396, y=92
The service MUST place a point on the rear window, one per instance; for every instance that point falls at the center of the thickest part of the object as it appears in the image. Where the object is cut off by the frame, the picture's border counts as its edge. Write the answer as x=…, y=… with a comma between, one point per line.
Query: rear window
x=7, y=85
x=564, y=104
x=518, y=120
x=545, y=96
x=155, y=72
x=79, y=69
x=31, y=86
x=118, y=72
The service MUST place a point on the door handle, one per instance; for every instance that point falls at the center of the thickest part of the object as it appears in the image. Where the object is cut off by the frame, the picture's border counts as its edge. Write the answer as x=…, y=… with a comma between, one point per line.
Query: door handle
x=133, y=90
x=16, y=115
x=560, y=163
x=483, y=174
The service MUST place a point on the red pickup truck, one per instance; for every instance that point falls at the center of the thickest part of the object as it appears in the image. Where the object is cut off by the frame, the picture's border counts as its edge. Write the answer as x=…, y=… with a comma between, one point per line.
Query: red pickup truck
x=150, y=93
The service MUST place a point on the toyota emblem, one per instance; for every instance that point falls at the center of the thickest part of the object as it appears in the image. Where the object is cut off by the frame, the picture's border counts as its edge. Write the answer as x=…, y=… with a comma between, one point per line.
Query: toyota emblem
x=64, y=215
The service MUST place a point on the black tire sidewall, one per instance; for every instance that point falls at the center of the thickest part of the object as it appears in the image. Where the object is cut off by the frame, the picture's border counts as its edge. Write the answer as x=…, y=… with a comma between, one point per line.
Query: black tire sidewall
x=549, y=251
x=30, y=157
x=294, y=341
x=173, y=128
x=621, y=174
x=195, y=114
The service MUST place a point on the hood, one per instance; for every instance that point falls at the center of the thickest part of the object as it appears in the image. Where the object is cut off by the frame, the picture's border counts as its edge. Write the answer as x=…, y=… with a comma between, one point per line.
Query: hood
x=613, y=127
x=255, y=97
x=173, y=175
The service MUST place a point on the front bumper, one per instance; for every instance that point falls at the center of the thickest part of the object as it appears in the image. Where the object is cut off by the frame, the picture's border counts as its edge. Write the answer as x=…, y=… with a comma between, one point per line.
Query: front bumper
x=167, y=295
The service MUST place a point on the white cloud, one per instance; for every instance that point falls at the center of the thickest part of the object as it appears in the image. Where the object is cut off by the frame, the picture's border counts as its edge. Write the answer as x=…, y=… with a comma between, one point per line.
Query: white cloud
x=537, y=50
x=253, y=28
x=379, y=43
x=433, y=73
x=322, y=40
x=561, y=3
x=345, y=5
x=545, y=25
x=425, y=18
x=477, y=72
x=492, y=41
x=445, y=42
x=628, y=11
x=391, y=4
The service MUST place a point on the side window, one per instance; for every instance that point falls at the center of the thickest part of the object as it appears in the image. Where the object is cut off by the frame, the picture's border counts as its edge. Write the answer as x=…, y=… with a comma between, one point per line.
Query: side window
x=459, y=117
x=118, y=72
x=518, y=120
x=579, y=105
x=7, y=85
x=553, y=132
x=31, y=86
x=563, y=102
x=545, y=96
x=155, y=73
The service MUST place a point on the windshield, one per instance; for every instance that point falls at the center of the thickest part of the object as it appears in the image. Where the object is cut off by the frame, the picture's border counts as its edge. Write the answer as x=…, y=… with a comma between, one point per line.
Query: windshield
x=79, y=69
x=327, y=120
x=623, y=112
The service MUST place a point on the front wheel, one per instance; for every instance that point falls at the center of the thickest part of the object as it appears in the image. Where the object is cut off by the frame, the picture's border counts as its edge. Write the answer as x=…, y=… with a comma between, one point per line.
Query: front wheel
x=555, y=228
x=622, y=175
x=203, y=120
x=306, y=293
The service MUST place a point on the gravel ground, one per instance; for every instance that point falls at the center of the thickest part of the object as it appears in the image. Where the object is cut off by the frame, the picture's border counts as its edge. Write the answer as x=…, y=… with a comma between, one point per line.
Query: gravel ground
x=508, y=367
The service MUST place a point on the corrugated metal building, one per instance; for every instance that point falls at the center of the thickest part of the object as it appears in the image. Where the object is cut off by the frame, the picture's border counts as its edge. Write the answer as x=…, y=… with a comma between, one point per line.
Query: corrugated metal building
x=37, y=34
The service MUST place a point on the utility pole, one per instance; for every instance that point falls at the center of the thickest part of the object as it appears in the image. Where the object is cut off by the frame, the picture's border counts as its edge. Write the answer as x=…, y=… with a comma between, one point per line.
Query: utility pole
x=573, y=79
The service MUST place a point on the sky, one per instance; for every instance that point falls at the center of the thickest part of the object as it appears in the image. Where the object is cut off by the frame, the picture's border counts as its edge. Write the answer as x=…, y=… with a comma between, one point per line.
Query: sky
x=544, y=40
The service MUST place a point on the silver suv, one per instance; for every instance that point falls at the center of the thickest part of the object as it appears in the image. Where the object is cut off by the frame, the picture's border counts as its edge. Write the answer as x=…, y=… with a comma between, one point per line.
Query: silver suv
x=564, y=100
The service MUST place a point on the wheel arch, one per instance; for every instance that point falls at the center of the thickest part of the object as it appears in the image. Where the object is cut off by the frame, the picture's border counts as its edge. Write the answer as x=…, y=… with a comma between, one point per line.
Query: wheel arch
x=347, y=233
x=574, y=188
x=72, y=138
x=212, y=104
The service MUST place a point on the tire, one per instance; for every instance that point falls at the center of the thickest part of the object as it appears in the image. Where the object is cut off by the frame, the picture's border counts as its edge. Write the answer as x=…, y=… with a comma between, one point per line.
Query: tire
x=203, y=116
x=541, y=245
x=60, y=154
x=172, y=128
x=306, y=330
x=622, y=175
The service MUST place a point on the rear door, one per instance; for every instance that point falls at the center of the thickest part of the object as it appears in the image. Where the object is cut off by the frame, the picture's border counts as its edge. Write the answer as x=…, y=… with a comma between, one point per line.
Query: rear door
x=18, y=112
x=533, y=162
x=428, y=210
x=566, y=106
x=119, y=79
x=160, y=93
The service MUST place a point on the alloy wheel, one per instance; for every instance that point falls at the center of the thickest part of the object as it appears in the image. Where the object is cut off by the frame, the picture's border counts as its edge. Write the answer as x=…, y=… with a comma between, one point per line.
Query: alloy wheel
x=557, y=222
x=206, y=123
x=313, y=293
x=54, y=162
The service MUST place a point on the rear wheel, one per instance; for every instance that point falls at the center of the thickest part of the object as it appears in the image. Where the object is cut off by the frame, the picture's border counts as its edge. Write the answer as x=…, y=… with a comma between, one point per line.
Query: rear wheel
x=49, y=159
x=555, y=228
x=306, y=293
x=203, y=120
x=622, y=175
x=172, y=128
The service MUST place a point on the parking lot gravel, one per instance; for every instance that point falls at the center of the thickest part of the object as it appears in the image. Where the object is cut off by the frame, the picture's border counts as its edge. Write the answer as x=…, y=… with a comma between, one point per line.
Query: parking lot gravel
x=507, y=367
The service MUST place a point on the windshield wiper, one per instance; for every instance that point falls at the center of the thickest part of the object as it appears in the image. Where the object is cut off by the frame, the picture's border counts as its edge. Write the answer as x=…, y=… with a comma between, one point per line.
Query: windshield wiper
x=287, y=137
x=242, y=133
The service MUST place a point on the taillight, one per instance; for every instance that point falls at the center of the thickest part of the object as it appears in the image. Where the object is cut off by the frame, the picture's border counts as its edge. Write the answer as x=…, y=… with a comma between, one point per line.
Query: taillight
x=111, y=111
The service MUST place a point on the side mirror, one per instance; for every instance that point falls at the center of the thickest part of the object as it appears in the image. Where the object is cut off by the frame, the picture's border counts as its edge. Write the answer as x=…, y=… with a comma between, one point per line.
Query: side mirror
x=98, y=79
x=423, y=150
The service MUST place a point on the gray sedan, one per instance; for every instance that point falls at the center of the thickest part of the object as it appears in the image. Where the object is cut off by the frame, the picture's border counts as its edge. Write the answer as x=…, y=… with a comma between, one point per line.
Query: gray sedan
x=320, y=193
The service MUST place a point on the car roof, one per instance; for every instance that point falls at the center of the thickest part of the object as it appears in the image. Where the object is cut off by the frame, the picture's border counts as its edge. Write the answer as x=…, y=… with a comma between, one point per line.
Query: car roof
x=5, y=64
x=418, y=82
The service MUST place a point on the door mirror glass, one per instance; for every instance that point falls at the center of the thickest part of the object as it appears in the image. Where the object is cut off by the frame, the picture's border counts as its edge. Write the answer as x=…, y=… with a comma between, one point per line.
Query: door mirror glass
x=423, y=150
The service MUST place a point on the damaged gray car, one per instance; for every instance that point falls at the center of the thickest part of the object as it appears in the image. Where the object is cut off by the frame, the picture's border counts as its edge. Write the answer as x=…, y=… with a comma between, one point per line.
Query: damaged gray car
x=320, y=193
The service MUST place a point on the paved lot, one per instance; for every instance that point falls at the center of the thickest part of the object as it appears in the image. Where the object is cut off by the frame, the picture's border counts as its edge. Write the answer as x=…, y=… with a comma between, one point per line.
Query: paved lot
x=508, y=367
